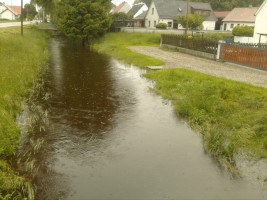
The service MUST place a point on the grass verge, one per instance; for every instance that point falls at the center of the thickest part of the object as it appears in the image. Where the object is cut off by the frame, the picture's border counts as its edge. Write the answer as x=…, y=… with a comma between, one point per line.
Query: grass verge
x=22, y=59
x=231, y=116
x=116, y=45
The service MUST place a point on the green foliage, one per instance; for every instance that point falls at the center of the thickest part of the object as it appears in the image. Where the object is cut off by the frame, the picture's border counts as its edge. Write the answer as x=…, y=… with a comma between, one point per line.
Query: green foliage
x=21, y=61
x=116, y=45
x=120, y=16
x=230, y=115
x=161, y=26
x=29, y=11
x=243, y=31
x=194, y=21
x=83, y=20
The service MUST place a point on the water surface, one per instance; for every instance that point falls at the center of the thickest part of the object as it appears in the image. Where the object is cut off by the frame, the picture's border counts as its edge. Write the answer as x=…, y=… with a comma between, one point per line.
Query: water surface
x=111, y=138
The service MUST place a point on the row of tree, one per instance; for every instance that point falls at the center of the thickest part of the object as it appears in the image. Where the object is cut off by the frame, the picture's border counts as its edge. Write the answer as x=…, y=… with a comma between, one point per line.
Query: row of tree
x=219, y=5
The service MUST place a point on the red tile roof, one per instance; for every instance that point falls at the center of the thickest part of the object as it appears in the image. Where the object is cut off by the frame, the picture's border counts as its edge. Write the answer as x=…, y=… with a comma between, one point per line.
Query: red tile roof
x=15, y=9
x=117, y=9
x=222, y=14
x=241, y=15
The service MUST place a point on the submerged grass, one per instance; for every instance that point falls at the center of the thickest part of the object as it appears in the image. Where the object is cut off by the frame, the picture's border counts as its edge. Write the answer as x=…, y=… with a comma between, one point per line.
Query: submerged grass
x=22, y=59
x=116, y=45
x=231, y=116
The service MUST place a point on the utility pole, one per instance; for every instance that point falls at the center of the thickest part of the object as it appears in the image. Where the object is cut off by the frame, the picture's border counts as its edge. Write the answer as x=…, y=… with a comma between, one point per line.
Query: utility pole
x=21, y=18
x=187, y=15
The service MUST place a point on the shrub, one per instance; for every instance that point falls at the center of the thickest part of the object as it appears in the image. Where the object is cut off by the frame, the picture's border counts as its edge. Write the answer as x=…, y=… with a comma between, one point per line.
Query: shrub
x=161, y=26
x=243, y=31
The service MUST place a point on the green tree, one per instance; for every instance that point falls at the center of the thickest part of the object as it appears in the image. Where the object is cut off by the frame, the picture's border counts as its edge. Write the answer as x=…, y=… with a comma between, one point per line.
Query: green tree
x=29, y=11
x=194, y=20
x=83, y=20
x=243, y=31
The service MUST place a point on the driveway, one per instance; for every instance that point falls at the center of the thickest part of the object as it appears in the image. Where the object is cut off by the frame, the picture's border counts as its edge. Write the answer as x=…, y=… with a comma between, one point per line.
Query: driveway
x=5, y=25
x=205, y=66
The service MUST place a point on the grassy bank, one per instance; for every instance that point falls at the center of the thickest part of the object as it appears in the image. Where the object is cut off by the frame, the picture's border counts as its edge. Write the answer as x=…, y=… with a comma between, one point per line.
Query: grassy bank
x=116, y=45
x=22, y=59
x=232, y=116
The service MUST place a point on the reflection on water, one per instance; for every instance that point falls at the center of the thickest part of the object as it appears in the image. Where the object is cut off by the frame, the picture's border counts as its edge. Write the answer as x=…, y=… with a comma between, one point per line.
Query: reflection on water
x=110, y=138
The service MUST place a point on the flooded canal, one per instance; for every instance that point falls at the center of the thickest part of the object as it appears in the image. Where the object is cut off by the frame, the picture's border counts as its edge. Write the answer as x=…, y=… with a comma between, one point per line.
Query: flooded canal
x=109, y=137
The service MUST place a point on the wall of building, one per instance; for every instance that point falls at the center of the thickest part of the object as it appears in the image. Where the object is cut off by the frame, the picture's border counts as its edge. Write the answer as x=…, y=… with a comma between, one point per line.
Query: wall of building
x=261, y=25
x=125, y=8
x=209, y=25
x=230, y=25
x=7, y=15
x=152, y=17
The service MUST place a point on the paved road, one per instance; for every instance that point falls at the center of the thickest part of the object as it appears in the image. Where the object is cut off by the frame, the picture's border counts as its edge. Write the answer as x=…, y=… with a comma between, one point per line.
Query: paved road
x=5, y=25
x=205, y=66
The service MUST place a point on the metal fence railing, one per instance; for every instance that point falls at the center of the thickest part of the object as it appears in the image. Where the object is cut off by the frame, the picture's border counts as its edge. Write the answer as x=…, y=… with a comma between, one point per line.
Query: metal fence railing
x=194, y=43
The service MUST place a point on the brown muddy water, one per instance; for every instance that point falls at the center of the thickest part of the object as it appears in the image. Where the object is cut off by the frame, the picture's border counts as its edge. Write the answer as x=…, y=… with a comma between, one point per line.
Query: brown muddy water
x=110, y=137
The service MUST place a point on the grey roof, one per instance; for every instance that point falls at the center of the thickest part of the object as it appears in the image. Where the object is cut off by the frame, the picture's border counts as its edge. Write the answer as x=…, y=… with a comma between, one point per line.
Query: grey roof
x=169, y=9
x=135, y=9
x=141, y=16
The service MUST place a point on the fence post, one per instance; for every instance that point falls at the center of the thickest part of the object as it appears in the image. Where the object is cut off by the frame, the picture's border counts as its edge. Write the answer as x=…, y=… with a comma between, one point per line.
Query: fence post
x=259, y=57
x=219, y=49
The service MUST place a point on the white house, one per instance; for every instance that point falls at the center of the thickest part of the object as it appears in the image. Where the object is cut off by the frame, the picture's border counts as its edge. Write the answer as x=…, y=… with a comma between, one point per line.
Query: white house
x=9, y=12
x=123, y=7
x=261, y=24
x=239, y=17
x=164, y=11
x=137, y=9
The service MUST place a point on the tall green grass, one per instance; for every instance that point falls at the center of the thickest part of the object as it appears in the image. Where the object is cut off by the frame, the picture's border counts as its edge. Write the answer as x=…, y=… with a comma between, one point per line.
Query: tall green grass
x=232, y=116
x=116, y=45
x=21, y=60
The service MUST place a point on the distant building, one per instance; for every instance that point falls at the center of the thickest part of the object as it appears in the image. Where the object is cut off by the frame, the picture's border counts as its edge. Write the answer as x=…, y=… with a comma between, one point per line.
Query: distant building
x=164, y=11
x=239, y=17
x=124, y=7
x=137, y=10
x=9, y=12
x=220, y=16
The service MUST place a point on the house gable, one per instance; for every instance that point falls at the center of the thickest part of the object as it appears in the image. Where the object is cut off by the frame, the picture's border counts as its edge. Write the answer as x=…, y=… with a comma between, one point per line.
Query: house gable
x=167, y=10
x=152, y=16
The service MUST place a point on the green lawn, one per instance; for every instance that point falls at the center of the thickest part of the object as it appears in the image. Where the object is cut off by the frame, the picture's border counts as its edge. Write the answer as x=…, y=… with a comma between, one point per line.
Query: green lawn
x=22, y=59
x=116, y=45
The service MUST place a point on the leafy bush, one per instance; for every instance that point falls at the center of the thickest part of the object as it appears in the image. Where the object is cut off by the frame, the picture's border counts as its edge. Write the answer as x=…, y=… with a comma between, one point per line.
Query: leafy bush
x=243, y=31
x=161, y=26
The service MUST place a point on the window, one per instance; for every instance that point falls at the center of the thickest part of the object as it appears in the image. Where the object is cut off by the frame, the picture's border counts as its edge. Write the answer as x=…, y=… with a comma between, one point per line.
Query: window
x=169, y=24
x=155, y=23
x=152, y=11
x=148, y=23
x=232, y=25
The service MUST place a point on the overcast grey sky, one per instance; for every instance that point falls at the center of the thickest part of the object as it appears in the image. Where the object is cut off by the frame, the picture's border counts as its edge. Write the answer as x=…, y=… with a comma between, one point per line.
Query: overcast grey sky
x=117, y=2
x=18, y=2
